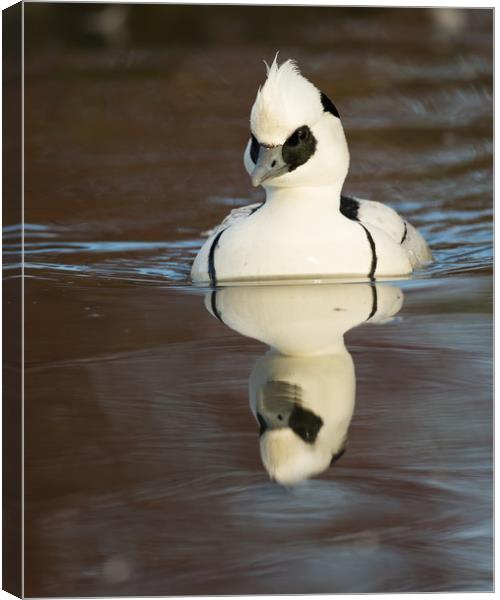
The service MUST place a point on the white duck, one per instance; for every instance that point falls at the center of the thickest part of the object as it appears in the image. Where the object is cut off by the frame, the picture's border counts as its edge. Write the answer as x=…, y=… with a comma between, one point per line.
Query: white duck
x=302, y=390
x=305, y=229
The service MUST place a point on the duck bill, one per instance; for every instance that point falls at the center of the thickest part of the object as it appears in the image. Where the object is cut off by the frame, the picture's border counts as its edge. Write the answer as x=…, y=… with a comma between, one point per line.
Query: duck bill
x=270, y=164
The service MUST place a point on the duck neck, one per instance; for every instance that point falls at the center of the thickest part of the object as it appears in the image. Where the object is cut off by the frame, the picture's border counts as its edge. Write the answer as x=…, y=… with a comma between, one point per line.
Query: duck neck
x=305, y=201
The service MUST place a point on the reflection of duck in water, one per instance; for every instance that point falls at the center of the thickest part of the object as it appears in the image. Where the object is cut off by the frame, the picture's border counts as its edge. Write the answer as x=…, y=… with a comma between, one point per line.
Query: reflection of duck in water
x=302, y=390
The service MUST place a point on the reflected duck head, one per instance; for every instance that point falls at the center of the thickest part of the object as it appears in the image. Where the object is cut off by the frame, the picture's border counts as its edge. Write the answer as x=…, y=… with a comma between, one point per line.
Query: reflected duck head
x=304, y=407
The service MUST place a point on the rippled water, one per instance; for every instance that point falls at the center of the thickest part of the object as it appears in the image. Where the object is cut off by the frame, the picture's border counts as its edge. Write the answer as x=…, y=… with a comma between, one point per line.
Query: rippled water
x=143, y=473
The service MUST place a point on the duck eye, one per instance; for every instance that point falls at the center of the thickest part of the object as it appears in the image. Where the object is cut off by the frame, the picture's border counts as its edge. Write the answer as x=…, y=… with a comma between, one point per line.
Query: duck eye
x=299, y=135
x=303, y=133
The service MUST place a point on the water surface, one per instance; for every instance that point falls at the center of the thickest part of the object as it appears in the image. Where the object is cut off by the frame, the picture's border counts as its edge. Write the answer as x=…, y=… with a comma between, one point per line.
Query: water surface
x=143, y=473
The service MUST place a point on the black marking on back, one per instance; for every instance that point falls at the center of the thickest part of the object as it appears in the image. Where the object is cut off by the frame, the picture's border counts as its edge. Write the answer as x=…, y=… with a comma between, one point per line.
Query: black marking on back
x=299, y=147
x=336, y=456
x=329, y=106
x=349, y=207
x=373, y=266
x=404, y=234
x=305, y=424
x=254, y=149
x=256, y=209
x=213, y=304
x=211, y=258
x=374, y=302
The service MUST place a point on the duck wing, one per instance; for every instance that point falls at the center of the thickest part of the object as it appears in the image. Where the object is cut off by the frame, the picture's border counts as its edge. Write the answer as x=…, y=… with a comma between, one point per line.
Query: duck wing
x=242, y=212
x=376, y=214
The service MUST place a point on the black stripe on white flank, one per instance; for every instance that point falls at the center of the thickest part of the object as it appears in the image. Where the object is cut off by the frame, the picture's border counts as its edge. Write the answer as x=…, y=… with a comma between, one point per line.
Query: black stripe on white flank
x=211, y=258
x=212, y=273
x=349, y=207
x=213, y=304
x=374, y=302
x=404, y=234
x=373, y=266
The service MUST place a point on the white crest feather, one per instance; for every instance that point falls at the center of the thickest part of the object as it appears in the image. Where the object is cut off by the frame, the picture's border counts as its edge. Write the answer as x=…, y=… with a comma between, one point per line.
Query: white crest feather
x=284, y=102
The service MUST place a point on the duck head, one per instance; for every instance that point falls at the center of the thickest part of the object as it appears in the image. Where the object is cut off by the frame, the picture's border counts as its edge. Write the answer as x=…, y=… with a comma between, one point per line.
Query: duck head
x=296, y=138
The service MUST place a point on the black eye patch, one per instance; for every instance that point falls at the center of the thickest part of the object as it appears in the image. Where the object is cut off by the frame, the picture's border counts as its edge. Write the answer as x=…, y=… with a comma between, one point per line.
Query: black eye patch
x=299, y=147
x=254, y=149
x=305, y=424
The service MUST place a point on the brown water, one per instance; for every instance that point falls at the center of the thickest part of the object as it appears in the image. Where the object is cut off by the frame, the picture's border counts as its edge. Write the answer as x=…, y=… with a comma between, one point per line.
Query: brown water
x=143, y=473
